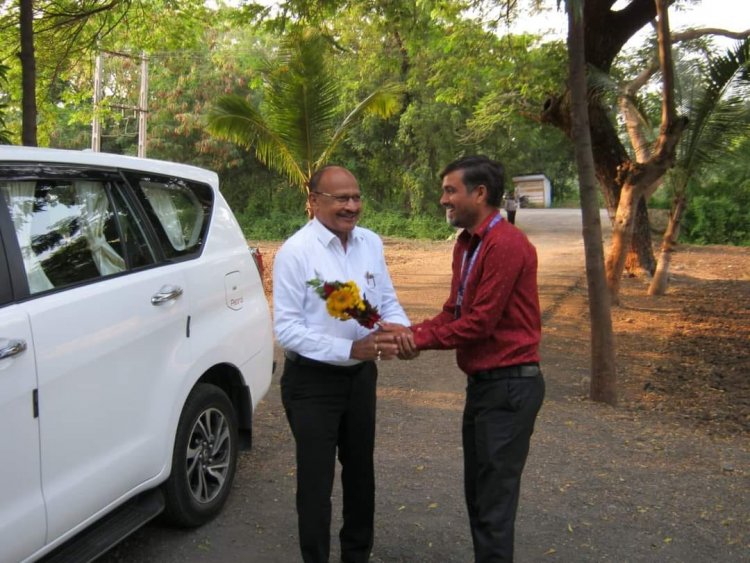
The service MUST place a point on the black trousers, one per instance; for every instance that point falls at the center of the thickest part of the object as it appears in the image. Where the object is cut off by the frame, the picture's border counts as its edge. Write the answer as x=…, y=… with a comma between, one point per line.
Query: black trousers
x=511, y=217
x=498, y=422
x=332, y=409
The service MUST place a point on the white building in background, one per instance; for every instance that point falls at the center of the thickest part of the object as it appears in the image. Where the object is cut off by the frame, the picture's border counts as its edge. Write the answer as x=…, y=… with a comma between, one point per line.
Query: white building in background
x=535, y=187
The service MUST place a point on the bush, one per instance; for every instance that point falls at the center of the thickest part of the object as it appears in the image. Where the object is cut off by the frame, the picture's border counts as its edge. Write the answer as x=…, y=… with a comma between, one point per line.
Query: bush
x=393, y=224
x=281, y=225
x=716, y=220
x=275, y=226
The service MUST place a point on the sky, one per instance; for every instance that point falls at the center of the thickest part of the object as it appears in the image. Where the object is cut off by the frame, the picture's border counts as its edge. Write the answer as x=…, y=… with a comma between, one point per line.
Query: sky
x=733, y=15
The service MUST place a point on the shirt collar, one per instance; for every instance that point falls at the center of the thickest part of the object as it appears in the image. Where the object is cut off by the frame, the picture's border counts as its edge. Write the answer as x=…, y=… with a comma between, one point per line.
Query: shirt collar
x=482, y=229
x=326, y=236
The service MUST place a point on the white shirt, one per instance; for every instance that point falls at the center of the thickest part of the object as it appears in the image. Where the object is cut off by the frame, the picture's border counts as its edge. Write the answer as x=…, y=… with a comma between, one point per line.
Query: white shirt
x=301, y=322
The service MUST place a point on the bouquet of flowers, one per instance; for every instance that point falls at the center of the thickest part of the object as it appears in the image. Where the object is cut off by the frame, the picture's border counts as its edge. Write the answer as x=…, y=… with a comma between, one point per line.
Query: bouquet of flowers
x=343, y=302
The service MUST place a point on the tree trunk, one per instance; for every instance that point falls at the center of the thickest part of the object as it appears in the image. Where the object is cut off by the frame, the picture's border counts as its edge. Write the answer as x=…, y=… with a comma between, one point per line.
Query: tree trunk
x=669, y=241
x=603, y=369
x=28, y=74
x=641, y=257
x=622, y=229
x=639, y=177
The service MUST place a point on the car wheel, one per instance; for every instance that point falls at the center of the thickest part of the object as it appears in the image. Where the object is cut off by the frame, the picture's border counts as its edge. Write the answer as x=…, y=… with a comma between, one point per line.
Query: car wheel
x=204, y=460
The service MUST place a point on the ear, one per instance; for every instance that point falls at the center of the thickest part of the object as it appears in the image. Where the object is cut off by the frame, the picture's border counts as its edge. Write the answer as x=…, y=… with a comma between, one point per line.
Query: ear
x=481, y=191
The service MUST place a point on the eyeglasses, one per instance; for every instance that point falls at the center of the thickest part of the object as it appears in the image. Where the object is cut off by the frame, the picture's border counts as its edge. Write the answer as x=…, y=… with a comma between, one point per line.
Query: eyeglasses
x=341, y=199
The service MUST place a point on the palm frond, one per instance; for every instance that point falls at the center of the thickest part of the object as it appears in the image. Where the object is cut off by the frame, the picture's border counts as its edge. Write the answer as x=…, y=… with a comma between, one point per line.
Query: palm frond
x=719, y=112
x=383, y=102
x=234, y=119
x=302, y=97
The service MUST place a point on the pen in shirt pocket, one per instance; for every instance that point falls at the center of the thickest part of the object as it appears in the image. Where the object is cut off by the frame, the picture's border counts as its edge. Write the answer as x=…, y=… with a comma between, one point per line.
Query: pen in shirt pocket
x=370, y=279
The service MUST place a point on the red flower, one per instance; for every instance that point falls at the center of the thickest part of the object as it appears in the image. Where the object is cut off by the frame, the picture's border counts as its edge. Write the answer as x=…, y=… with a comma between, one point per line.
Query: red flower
x=328, y=288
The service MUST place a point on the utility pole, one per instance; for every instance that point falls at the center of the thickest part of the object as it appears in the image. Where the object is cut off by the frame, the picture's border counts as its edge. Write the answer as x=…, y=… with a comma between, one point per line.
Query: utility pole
x=96, y=125
x=141, y=109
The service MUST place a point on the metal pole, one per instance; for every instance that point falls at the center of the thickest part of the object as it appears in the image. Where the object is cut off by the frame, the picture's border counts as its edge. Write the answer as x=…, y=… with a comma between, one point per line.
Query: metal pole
x=96, y=126
x=143, y=106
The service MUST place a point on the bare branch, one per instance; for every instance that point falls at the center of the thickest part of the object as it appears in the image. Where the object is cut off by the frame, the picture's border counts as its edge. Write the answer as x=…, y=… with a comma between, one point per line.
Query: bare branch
x=697, y=33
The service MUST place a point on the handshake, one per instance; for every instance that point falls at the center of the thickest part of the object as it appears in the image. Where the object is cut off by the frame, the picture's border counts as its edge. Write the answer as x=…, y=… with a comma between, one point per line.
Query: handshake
x=390, y=341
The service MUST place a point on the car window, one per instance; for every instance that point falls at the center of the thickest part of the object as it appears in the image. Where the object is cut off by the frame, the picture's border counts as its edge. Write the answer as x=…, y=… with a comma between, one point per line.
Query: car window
x=138, y=253
x=66, y=230
x=6, y=292
x=179, y=211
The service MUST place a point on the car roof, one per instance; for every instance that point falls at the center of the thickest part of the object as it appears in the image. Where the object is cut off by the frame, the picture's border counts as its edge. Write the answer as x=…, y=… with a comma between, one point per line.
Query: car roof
x=10, y=153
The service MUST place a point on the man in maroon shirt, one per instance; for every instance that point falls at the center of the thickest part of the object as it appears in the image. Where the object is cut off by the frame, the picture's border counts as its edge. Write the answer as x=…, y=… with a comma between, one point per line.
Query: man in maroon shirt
x=492, y=319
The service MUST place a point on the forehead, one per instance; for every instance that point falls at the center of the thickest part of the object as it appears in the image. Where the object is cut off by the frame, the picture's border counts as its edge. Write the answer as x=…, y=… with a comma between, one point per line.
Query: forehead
x=454, y=179
x=338, y=180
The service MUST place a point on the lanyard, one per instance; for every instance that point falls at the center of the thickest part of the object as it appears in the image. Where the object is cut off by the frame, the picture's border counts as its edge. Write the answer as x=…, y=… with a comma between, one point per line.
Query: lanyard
x=466, y=269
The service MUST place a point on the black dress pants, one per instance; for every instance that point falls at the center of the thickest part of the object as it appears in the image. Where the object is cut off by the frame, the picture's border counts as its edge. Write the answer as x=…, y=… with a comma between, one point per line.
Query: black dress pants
x=330, y=409
x=498, y=422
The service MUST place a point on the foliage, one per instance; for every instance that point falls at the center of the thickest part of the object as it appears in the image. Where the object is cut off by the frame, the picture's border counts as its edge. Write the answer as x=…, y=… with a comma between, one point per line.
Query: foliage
x=466, y=87
x=4, y=133
x=718, y=220
x=719, y=211
x=276, y=226
x=716, y=102
x=394, y=224
x=279, y=225
x=294, y=130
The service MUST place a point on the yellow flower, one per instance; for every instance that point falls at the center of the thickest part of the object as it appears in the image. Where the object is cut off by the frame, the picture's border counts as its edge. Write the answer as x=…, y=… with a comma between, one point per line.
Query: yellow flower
x=342, y=300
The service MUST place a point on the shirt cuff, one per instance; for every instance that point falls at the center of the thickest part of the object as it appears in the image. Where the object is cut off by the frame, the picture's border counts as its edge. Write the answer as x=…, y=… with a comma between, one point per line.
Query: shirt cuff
x=342, y=349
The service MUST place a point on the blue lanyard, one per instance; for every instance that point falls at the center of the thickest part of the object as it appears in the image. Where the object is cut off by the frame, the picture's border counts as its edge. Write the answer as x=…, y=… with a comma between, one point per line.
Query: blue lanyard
x=466, y=269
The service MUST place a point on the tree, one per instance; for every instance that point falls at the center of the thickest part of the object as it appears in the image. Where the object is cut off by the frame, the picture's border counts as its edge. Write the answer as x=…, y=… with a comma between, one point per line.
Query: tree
x=61, y=24
x=4, y=133
x=294, y=130
x=603, y=372
x=718, y=114
x=606, y=31
x=28, y=66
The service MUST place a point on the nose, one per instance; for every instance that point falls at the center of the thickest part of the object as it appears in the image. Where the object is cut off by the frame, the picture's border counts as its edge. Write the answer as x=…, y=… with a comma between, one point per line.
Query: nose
x=444, y=200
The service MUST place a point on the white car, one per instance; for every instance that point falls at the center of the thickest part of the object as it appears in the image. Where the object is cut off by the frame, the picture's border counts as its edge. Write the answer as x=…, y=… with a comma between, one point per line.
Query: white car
x=135, y=344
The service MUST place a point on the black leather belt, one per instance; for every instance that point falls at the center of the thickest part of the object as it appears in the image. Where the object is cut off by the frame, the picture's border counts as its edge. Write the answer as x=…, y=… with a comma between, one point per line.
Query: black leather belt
x=295, y=358
x=508, y=372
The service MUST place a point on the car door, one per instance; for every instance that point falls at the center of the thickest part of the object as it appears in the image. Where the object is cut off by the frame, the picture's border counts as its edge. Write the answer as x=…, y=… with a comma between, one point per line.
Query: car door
x=109, y=329
x=22, y=517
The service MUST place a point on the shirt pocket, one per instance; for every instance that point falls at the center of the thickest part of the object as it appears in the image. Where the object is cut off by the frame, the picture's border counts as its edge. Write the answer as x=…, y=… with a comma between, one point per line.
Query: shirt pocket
x=372, y=286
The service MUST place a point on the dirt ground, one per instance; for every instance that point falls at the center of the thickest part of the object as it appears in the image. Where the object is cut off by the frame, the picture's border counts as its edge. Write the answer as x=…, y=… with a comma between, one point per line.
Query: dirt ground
x=685, y=354
x=664, y=476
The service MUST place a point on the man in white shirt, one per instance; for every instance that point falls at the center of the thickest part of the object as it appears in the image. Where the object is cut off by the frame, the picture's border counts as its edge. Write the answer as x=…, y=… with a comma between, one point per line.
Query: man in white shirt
x=329, y=378
x=511, y=206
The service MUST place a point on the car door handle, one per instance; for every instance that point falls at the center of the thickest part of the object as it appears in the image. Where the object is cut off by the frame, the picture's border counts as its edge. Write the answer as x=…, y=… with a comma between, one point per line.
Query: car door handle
x=166, y=293
x=13, y=348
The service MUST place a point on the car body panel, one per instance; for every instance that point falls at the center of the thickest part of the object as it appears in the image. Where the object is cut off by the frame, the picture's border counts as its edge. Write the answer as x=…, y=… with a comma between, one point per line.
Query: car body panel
x=112, y=370
x=22, y=513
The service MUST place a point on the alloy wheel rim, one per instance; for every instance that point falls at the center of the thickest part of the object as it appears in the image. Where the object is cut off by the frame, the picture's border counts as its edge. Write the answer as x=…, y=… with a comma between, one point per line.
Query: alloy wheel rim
x=208, y=455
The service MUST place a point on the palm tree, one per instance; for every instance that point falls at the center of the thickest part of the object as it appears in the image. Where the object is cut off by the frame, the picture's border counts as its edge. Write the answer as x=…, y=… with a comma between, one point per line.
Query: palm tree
x=718, y=112
x=294, y=131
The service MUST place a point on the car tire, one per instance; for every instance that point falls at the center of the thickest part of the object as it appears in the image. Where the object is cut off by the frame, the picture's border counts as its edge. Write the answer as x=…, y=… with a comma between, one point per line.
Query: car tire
x=204, y=459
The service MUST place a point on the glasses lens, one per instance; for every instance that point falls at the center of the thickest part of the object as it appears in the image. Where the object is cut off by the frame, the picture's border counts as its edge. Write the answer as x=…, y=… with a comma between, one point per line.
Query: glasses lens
x=345, y=199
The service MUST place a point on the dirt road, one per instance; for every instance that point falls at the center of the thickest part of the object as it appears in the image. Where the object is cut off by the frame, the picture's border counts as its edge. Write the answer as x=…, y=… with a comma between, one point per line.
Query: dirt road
x=633, y=483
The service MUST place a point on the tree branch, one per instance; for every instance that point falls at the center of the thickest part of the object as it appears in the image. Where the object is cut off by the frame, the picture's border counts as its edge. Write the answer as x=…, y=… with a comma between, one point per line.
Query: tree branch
x=689, y=34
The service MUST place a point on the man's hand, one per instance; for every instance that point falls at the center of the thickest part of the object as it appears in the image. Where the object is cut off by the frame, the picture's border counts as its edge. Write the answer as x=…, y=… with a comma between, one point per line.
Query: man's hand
x=376, y=346
x=407, y=349
x=403, y=337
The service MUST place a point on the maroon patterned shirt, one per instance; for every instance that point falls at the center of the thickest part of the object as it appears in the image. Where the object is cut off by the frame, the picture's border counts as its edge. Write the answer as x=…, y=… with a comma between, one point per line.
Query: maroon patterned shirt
x=499, y=323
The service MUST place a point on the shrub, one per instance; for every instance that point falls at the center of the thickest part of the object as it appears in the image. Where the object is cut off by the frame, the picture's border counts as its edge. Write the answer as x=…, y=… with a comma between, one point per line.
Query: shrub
x=716, y=220
x=280, y=225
